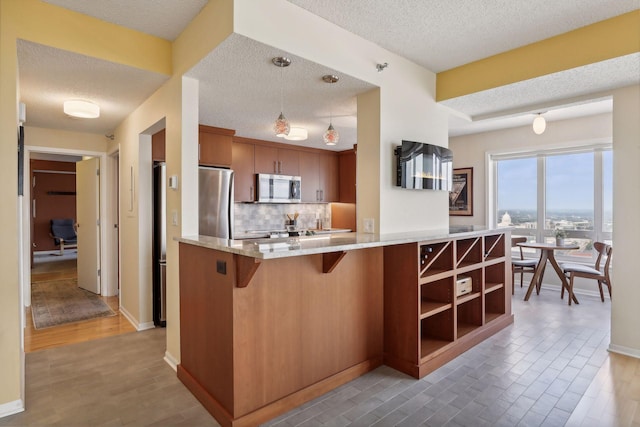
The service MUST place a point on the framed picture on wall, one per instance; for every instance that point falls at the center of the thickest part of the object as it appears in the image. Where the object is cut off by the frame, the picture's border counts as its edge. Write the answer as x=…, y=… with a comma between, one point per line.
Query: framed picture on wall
x=461, y=195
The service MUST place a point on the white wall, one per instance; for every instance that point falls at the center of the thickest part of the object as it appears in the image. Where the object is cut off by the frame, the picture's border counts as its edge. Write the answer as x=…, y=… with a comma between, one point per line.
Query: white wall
x=625, y=315
x=405, y=101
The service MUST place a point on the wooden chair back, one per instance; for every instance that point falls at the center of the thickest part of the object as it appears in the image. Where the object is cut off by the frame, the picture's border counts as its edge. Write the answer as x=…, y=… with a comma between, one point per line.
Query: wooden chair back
x=515, y=241
x=603, y=250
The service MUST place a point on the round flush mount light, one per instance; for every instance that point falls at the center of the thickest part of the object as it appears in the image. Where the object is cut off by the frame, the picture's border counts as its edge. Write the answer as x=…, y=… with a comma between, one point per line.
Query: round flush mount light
x=297, y=134
x=82, y=109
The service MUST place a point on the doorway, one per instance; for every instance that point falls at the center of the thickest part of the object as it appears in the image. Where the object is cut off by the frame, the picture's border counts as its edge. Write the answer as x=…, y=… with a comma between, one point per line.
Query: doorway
x=52, y=265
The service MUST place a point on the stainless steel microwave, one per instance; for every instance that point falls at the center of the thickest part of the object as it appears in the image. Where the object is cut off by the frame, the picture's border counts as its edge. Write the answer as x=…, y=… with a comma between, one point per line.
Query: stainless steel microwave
x=278, y=188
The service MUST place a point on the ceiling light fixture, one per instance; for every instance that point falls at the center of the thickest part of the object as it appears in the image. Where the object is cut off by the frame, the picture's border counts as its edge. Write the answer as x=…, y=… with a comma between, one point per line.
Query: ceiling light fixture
x=331, y=136
x=539, y=124
x=82, y=109
x=281, y=126
x=297, y=134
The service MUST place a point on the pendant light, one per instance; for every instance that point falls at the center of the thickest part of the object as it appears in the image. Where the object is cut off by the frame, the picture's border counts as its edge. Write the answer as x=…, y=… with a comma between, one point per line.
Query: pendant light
x=539, y=124
x=281, y=126
x=331, y=136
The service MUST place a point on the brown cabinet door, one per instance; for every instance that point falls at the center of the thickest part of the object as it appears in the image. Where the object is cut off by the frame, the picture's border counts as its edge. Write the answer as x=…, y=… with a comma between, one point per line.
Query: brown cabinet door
x=309, y=173
x=288, y=162
x=214, y=149
x=266, y=159
x=328, y=177
x=348, y=177
x=242, y=165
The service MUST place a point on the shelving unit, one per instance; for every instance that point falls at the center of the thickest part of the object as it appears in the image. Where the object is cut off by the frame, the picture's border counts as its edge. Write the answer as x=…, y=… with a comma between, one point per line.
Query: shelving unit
x=426, y=324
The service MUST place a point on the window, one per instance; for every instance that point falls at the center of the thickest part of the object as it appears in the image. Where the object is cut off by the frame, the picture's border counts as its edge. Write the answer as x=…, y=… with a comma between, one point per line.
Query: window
x=539, y=192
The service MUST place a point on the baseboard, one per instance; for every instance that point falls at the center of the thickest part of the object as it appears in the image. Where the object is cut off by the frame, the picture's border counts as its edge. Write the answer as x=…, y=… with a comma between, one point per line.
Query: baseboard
x=146, y=325
x=171, y=361
x=11, y=408
x=627, y=351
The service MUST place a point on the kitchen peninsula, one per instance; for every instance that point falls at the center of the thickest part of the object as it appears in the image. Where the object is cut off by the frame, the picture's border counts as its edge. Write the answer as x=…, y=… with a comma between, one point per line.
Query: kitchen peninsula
x=267, y=325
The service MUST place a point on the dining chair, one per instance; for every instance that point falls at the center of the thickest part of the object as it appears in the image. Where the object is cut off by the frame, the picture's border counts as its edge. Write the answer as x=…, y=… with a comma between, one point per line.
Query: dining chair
x=580, y=270
x=520, y=265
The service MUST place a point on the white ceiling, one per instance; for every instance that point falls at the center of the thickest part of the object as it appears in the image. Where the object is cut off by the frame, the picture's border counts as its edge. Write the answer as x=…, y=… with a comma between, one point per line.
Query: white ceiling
x=438, y=34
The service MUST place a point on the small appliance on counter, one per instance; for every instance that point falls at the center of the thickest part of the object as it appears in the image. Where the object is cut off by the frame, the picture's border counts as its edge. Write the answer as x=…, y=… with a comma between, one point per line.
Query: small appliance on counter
x=463, y=285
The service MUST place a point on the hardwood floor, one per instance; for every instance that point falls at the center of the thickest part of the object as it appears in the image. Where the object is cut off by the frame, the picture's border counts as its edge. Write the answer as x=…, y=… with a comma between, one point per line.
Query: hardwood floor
x=70, y=333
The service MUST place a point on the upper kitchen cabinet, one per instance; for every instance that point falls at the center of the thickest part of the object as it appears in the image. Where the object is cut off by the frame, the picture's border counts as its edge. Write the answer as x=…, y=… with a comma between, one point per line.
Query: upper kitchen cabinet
x=158, y=143
x=214, y=148
x=242, y=163
x=328, y=177
x=347, y=161
x=319, y=173
x=275, y=160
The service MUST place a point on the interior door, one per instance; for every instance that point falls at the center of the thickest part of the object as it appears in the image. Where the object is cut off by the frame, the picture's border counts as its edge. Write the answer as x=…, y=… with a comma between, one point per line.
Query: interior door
x=88, y=215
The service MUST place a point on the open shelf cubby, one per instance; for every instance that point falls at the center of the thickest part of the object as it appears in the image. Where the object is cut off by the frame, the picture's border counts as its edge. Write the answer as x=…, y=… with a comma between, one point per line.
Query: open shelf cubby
x=468, y=252
x=469, y=316
x=493, y=246
x=426, y=323
x=494, y=277
x=435, y=258
x=436, y=297
x=436, y=332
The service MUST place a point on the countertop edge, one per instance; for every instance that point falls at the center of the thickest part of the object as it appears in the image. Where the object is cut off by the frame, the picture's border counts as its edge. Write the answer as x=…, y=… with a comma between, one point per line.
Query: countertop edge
x=300, y=246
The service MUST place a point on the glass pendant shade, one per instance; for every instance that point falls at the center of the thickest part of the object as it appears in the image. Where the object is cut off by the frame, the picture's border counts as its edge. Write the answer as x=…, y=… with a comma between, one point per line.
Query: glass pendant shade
x=281, y=126
x=539, y=125
x=331, y=135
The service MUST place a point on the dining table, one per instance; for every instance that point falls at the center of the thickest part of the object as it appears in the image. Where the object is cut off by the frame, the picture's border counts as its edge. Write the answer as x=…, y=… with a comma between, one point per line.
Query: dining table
x=547, y=254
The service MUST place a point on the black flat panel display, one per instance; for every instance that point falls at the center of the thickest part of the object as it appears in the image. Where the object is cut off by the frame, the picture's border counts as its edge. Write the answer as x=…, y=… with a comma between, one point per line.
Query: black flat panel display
x=424, y=166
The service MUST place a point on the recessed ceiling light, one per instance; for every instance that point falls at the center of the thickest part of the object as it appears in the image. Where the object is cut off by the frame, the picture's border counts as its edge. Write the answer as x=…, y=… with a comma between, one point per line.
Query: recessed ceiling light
x=82, y=109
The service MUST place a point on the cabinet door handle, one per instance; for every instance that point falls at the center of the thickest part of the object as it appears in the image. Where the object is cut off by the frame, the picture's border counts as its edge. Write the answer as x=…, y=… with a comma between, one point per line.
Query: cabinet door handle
x=275, y=168
x=198, y=151
x=279, y=166
x=251, y=193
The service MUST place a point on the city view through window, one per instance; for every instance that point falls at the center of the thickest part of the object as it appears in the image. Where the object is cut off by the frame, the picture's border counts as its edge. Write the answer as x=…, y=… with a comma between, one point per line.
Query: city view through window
x=577, y=198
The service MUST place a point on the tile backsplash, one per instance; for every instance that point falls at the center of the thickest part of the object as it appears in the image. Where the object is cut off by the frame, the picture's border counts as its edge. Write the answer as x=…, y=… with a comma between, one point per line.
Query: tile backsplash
x=272, y=216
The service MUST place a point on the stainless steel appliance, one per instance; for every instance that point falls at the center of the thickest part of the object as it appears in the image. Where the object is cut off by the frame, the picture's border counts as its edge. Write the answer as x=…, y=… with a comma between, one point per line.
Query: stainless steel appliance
x=159, y=245
x=215, y=202
x=278, y=188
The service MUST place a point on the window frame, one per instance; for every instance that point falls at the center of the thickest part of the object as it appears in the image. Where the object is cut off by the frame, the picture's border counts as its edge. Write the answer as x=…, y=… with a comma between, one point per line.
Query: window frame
x=540, y=234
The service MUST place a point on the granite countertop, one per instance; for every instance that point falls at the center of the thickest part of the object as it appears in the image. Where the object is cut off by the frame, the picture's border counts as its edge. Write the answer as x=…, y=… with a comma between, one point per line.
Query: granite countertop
x=324, y=243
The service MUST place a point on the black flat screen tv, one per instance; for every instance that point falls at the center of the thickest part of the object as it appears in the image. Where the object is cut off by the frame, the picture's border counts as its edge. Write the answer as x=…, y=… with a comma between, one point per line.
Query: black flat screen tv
x=424, y=166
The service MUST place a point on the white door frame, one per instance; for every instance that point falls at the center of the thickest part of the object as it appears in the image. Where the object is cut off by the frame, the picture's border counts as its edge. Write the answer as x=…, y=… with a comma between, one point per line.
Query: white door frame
x=25, y=235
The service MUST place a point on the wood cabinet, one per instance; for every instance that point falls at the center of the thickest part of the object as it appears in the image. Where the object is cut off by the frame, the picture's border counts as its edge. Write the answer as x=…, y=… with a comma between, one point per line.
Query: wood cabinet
x=281, y=161
x=319, y=173
x=215, y=146
x=242, y=163
x=426, y=323
x=158, y=144
x=347, y=173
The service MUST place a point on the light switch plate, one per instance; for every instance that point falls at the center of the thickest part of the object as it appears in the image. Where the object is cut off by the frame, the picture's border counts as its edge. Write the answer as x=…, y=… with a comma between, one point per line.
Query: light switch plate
x=369, y=225
x=174, y=217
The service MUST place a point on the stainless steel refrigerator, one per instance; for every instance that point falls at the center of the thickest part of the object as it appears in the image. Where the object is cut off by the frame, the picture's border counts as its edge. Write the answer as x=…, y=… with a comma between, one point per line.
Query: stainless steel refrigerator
x=159, y=244
x=215, y=202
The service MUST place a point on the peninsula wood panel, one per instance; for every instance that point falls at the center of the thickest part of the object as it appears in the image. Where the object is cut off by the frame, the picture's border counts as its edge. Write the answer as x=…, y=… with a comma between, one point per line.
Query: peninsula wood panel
x=284, y=338
x=206, y=320
x=300, y=327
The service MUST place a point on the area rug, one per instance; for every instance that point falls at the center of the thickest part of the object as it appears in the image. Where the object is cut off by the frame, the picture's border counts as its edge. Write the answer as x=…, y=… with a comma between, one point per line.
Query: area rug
x=57, y=302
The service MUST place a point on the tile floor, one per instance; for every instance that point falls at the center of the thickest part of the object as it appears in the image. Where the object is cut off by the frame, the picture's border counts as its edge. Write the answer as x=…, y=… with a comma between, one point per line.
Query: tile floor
x=531, y=374
x=551, y=363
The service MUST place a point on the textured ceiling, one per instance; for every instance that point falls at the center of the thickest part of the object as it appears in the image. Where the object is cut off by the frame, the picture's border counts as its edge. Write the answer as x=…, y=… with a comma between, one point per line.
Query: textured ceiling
x=50, y=76
x=161, y=18
x=437, y=34
x=249, y=85
x=443, y=34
